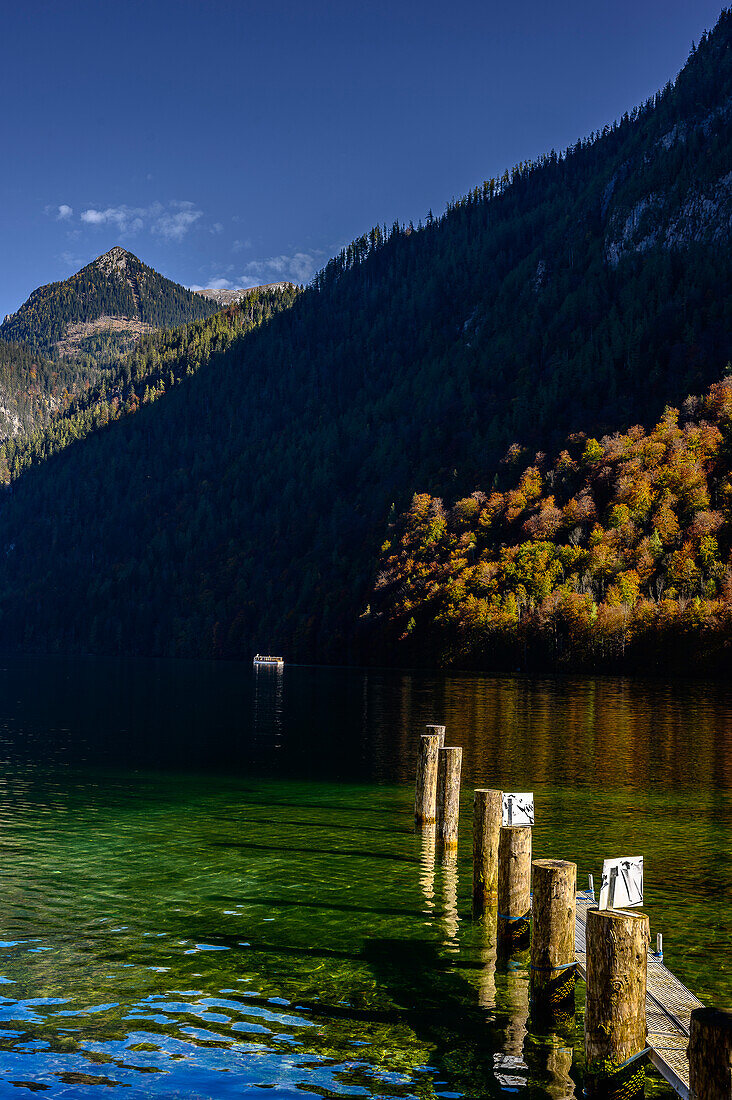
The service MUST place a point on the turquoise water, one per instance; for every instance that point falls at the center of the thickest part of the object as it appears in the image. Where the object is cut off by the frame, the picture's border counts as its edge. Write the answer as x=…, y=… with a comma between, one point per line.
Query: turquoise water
x=212, y=886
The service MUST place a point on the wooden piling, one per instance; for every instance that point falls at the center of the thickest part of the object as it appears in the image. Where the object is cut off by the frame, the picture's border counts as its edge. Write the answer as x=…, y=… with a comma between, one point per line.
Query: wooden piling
x=514, y=887
x=553, y=913
x=487, y=808
x=615, y=1007
x=436, y=731
x=425, y=795
x=710, y=1054
x=448, y=795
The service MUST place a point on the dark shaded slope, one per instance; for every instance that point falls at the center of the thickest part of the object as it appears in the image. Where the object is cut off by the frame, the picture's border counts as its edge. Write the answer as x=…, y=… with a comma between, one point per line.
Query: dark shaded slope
x=246, y=509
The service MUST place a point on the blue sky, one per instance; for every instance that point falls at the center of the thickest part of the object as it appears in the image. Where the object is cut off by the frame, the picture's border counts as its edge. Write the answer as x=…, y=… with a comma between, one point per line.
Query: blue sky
x=229, y=142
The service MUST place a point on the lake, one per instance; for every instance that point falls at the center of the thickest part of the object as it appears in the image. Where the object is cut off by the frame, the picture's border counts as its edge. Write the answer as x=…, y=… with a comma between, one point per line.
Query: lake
x=211, y=885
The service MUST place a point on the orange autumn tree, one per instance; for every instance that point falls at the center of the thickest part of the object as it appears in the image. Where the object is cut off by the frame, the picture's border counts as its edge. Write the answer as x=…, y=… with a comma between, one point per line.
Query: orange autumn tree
x=623, y=543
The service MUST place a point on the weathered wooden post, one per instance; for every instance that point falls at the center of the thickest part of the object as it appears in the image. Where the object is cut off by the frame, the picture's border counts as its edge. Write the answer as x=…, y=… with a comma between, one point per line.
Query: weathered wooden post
x=448, y=795
x=436, y=731
x=514, y=887
x=710, y=1054
x=615, y=1007
x=553, y=908
x=425, y=795
x=486, y=831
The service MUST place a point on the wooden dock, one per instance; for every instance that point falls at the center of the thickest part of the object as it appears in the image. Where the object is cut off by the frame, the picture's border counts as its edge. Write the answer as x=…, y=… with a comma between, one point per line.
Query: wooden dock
x=669, y=1005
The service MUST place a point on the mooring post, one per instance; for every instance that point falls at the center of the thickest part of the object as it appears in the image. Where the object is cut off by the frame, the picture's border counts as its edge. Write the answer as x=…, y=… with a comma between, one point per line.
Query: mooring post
x=425, y=794
x=710, y=1054
x=448, y=795
x=514, y=887
x=436, y=731
x=615, y=1006
x=486, y=832
x=553, y=908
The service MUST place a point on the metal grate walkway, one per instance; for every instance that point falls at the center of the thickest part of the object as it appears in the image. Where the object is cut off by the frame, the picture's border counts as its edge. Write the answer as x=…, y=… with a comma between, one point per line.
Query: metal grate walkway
x=668, y=1009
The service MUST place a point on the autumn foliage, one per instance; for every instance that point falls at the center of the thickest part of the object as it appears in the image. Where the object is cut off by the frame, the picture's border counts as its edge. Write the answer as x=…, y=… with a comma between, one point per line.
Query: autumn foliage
x=617, y=554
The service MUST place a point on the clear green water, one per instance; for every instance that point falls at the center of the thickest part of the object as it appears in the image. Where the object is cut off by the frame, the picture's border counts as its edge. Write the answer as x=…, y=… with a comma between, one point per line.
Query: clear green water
x=211, y=885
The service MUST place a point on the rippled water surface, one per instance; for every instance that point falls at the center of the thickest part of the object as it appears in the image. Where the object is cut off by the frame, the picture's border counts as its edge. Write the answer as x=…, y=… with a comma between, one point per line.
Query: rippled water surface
x=211, y=886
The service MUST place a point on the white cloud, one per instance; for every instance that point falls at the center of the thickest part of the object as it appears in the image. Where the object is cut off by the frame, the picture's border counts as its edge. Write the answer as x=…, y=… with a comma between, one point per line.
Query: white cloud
x=218, y=283
x=128, y=219
x=71, y=260
x=171, y=221
x=298, y=268
x=217, y=227
x=64, y=212
x=239, y=246
x=174, y=223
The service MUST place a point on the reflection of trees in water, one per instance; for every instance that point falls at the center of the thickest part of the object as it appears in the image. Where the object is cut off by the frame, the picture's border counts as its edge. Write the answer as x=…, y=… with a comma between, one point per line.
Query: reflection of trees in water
x=578, y=731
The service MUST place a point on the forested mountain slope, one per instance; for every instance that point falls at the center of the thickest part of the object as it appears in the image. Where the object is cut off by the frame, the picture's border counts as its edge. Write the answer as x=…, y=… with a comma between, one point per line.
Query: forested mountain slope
x=34, y=389
x=246, y=508
x=115, y=295
x=617, y=554
x=159, y=363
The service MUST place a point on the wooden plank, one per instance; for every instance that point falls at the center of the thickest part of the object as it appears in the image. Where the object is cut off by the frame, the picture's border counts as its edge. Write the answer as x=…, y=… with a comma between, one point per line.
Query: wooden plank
x=669, y=1005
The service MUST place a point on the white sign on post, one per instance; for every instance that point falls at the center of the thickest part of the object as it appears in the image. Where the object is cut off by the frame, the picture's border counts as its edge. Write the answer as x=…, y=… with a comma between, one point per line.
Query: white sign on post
x=518, y=809
x=622, y=883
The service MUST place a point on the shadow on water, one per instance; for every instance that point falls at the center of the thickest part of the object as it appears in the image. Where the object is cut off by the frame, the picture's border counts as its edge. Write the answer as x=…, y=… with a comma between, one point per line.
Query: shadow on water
x=443, y=1013
x=282, y=849
x=332, y=826
x=383, y=810
x=287, y=903
x=245, y=947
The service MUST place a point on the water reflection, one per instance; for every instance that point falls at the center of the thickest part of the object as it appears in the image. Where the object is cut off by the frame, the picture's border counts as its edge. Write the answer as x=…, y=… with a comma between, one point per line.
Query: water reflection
x=267, y=708
x=361, y=725
x=451, y=919
x=488, y=955
x=427, y=866
x=509, y=1065
x=211, y=883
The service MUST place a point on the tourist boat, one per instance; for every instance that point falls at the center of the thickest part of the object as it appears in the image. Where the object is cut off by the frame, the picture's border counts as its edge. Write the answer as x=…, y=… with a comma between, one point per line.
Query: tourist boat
x=269, y=662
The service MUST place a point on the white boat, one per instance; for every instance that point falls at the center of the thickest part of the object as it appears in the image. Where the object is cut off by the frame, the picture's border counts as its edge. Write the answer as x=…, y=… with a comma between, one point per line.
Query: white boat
x=269, y=662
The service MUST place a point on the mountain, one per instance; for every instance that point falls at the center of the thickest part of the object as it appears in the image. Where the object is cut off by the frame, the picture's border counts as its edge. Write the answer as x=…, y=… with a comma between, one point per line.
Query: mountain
x=95, y=399
x=103, y=308
x=239, y=500
x=228, y=297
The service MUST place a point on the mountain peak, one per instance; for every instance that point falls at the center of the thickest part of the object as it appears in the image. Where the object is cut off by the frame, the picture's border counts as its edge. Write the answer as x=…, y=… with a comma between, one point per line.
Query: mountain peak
x=116, y=293
x=117, y=259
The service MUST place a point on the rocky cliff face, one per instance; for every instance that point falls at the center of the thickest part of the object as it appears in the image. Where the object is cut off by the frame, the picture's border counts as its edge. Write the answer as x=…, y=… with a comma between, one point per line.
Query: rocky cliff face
x=687, y=209
x=226, y=297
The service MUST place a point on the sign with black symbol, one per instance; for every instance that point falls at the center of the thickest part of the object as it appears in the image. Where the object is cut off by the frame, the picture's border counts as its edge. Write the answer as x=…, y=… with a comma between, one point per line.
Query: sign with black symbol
x=622, y=883
x=518, y=809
